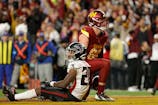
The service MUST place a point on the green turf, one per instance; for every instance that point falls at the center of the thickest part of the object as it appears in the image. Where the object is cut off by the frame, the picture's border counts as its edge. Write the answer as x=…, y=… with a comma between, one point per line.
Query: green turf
x=109, y=92
x=124, y=93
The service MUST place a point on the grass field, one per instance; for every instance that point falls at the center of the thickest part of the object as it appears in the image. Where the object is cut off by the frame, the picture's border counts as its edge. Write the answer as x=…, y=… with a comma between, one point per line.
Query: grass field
x=122, y=97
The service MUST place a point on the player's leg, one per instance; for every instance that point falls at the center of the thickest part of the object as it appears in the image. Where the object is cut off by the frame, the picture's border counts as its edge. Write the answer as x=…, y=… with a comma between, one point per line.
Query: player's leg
x=1, y=75
x=57, y=94
x=154, y=75
x=52, y=93
x=48, y=71
x=103, y=67
x=41, y=72
x=11, y=94
x=8, y=73
x=15, y=75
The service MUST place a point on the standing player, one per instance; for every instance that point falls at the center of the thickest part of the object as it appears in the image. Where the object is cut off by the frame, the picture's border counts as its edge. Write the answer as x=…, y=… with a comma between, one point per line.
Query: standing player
x=94, y=38
x=78, y=75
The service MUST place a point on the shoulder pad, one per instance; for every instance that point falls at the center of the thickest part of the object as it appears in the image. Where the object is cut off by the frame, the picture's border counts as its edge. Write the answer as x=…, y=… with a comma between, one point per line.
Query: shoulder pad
x=85, y=32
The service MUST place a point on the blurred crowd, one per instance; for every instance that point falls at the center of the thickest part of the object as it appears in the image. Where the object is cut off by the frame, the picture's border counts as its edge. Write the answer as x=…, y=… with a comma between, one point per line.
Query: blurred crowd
x=132, y=28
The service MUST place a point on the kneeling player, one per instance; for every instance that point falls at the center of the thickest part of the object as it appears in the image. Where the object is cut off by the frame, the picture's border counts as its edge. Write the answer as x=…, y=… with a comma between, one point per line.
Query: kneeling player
x=77, y=80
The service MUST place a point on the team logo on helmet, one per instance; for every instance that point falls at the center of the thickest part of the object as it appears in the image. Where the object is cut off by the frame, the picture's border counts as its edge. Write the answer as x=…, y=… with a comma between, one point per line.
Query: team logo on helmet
x=92, y=14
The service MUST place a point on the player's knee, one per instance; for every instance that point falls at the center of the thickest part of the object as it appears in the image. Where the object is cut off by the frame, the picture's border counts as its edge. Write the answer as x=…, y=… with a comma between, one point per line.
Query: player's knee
x=105, y=67
x=38, y=91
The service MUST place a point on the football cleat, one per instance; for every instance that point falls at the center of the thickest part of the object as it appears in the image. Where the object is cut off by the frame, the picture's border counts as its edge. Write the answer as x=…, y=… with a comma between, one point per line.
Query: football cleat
x=103, y=97
x=9, y=92
x=153, y=91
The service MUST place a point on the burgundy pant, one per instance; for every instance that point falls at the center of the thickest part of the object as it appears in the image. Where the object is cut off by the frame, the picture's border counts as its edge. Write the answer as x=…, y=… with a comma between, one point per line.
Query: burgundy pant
x=100, y=65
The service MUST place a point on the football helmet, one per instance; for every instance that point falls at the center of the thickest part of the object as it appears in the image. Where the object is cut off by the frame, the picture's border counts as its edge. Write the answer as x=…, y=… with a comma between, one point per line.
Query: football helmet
x=76, y=51
x=97, y=18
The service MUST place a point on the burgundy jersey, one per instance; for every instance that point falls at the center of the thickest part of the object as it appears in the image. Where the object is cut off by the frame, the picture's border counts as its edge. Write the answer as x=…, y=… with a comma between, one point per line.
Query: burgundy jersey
x=96, y=43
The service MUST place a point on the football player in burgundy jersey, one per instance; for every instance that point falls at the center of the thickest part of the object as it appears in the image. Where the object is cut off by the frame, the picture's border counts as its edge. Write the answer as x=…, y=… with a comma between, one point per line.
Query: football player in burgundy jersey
x=94, y=37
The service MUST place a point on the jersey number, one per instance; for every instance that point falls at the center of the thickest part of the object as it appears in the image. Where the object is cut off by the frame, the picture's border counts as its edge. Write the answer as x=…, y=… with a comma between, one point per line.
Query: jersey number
x=85, y=76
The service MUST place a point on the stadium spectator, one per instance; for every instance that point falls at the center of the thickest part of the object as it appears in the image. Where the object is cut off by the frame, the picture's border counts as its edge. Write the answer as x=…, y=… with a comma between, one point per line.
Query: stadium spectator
x=133, y=61
x=51, y=34
x=21, y=57
x=61, y=59
x=144, y=71
x=74, y=32
x=34, y=21
x=153, y=64
x=118, y=63
x=6, y=62
x=4, y=13
x=143, y=32
x=144, y=36
x=43, y=52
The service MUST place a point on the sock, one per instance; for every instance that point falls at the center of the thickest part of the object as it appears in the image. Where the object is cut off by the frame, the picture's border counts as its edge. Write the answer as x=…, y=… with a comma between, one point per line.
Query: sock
x=26, y=95
x=156, y=84
x=100, y=89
